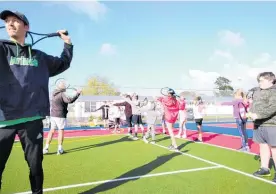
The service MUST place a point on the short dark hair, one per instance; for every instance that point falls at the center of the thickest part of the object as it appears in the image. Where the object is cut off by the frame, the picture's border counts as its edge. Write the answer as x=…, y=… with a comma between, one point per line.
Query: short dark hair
x=266, y=75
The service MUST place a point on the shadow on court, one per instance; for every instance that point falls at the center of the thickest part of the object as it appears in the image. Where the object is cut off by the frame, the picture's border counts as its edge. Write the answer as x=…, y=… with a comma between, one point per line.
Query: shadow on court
x=140, y=171
x=162, y=139
x=184, y=145
x=77, y=149
x=208, y=138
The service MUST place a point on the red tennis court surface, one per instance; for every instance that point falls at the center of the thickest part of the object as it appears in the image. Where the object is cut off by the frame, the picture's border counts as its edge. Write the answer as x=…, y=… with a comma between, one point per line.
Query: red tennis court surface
x=229, y=125
x=220, y=140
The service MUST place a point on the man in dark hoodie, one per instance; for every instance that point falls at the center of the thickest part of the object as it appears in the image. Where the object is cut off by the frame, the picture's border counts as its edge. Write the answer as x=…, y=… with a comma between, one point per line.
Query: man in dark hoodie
x=24, y=96
x=263, y=114
x=59, y=112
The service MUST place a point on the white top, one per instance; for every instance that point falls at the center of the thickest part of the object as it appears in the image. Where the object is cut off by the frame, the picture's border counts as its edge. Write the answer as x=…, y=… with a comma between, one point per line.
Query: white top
x=182, y=115
x=198, y=114
x=115, y=112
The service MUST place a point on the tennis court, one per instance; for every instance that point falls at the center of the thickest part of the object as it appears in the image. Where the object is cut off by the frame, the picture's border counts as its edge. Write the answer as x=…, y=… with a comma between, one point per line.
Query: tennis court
x=99, y=162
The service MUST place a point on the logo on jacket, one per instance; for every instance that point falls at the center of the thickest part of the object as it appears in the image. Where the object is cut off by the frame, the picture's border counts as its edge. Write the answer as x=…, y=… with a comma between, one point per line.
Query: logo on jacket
x=23, y=61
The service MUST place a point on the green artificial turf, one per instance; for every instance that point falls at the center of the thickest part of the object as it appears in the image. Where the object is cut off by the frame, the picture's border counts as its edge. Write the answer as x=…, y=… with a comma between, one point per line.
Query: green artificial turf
x=94, y=159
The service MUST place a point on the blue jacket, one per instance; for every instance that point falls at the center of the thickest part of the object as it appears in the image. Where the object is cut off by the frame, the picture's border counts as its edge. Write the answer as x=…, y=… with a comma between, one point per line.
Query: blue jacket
x=24, y=79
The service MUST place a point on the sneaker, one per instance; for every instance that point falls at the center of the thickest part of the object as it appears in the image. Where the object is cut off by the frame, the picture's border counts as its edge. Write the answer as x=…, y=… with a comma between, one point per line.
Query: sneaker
x=59, y=152
x=262, y=172
x=135, y=138
x=145, y=140
x=198, y=140
x=274, y=180
x=184, y=136
x=152, y=142
x=172, y=148
x=178, y=136
x=243, y=149
x=45, y=151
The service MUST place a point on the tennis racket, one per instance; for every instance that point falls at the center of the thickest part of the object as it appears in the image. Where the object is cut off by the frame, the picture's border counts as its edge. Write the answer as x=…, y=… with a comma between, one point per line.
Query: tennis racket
x=166, y=90
x=69, y=91
x=242, y=112
x=39, y=34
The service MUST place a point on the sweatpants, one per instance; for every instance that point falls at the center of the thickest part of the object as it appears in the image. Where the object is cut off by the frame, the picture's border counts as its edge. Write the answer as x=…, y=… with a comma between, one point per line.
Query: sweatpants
x=31, y=138
x=241, y=125
x=150, y=131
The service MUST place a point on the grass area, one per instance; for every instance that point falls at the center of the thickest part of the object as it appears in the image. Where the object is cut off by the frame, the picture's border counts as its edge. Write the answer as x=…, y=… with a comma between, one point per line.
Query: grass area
x=111, y=157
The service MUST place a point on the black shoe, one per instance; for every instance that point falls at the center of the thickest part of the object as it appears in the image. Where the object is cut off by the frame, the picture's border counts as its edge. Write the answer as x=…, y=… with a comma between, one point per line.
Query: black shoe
x=262, y=172
x=274, y=180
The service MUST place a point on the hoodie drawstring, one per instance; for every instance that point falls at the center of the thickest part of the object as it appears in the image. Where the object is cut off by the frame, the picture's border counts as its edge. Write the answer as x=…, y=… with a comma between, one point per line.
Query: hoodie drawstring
x=30, y=52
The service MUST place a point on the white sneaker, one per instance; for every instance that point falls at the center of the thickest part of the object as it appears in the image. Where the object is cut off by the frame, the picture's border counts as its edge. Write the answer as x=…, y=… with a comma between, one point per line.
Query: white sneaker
x=45, y=151
x=59, y=152
x=152, y=142
x=177, y=136
x=184, y=136
x=145, y=140
x=135, y=138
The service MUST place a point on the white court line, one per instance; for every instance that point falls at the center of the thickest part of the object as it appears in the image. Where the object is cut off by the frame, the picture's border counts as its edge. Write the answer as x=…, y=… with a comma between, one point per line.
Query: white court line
x=223, y=166
x=124, y=179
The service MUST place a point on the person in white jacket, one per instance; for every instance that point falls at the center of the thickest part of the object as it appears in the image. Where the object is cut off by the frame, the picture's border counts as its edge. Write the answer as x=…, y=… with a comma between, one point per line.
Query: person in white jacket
x=115, y=114
x=151, y=114
x=199, y=112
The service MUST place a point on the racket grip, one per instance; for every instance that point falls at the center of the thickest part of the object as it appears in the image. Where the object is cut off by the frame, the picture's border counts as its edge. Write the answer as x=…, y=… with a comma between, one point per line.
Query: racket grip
x=57, y=34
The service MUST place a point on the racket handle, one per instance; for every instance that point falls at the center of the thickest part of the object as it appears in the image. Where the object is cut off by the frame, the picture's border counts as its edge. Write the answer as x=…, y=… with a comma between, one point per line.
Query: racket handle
x=57, y=34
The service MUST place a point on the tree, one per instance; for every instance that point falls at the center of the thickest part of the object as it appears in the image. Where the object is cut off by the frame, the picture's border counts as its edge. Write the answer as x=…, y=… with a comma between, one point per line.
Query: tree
x=223, y=87
x=97, y=85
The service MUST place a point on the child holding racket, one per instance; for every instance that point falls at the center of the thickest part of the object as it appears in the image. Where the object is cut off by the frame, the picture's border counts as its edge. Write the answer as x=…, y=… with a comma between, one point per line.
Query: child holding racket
x=151, y=118
x=136, y=106
x=198, y=110
x=171, y=107
x=240, y=105
x=115, y=114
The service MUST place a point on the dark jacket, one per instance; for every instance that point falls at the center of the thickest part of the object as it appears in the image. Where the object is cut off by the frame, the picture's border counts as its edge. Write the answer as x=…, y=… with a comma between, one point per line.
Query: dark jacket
x=105, y=111
x=24, y=79
x=60, y=103
x=264, y=105
x=128, y=109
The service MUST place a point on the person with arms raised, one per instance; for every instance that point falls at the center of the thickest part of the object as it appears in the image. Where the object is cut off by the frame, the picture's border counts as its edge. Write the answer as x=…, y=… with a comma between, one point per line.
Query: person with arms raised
x=24, y=97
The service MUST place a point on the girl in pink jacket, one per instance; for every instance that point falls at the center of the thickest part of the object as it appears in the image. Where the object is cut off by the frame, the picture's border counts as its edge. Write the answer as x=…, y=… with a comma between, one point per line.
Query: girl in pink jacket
x=171, y=107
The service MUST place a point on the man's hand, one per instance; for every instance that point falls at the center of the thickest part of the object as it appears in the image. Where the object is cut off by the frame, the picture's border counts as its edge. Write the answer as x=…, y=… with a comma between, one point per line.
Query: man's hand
x=64, y=37
x=251, y=115
x=79, y=91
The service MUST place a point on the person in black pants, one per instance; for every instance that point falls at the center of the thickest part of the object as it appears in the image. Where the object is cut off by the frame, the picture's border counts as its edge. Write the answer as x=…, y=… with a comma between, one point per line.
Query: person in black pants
x=24, y=96
x=105, y=113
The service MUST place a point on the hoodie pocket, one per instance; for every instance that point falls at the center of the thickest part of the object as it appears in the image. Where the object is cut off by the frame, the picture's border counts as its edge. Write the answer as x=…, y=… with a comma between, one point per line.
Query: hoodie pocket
x=11, y=99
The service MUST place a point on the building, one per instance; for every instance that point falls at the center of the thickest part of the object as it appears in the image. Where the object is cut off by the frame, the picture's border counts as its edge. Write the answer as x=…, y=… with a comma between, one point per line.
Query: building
x=84, y=106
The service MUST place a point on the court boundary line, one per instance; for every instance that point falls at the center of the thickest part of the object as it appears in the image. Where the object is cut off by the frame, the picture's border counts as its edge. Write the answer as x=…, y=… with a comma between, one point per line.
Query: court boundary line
x=125, y=178
x=221, y=165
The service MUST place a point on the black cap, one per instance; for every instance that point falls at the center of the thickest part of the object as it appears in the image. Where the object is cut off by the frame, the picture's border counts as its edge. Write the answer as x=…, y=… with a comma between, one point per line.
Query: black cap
x=4, y=14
